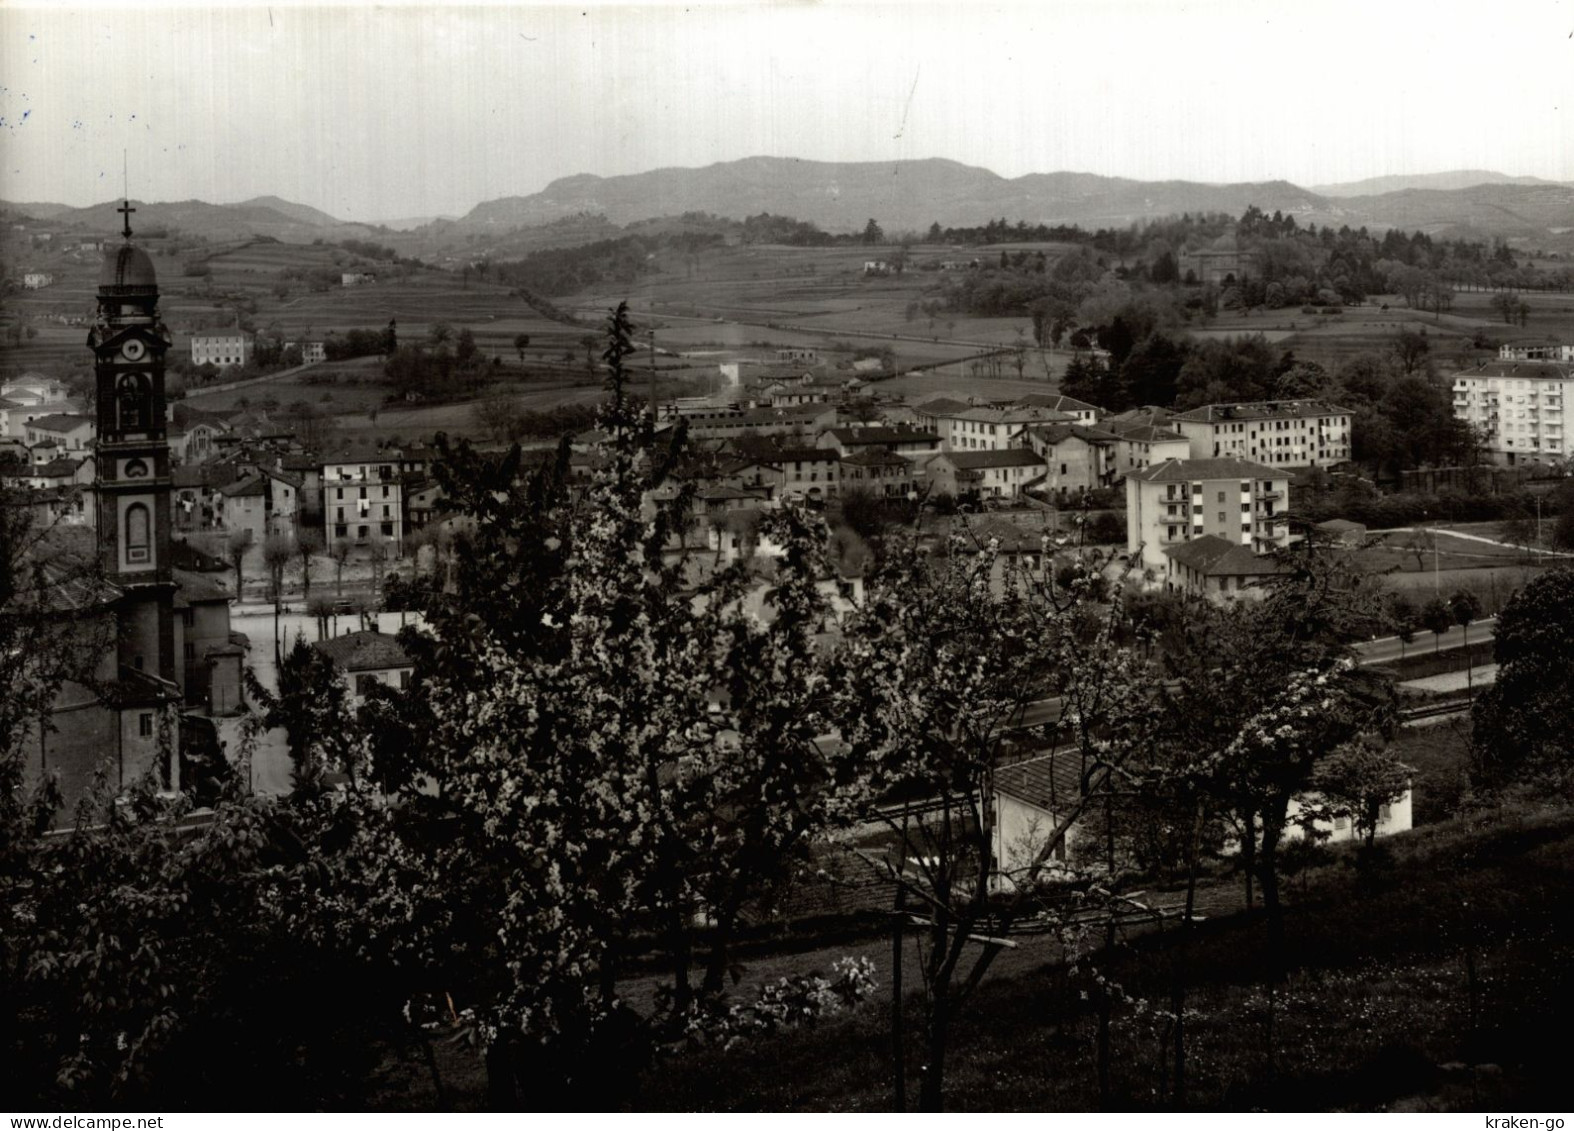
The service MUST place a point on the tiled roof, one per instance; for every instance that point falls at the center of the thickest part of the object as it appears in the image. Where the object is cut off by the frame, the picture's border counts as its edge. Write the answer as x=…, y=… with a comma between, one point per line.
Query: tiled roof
x=883, y=436
x=942, y=406
x=57, y=467
x=1056, y=401
x=1052, y=782
x=802, y=455
x=1213, y=556
x=1531, y=370
x=194, y=587
x=1055, y=433
x=1146, y=433
x=1007, y=457
x=1191, y=470
x=364, y=651
x=1147, y=414
x=1260, y=410
x=875, y=457
x=243, y=488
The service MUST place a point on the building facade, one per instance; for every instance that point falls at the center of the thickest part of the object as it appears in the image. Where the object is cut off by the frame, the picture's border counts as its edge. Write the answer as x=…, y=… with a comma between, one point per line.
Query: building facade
x=220, y=349
x=1178, y=500
x=1517, y=410
x=363, y=499
x=1278, y=433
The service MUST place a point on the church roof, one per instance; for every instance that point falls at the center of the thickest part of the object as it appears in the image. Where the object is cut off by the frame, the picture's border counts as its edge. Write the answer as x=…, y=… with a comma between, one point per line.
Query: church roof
x=127, y=267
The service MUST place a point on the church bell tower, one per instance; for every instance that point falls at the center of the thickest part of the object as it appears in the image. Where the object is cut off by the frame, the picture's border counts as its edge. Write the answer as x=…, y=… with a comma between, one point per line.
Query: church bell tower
x=129, y=342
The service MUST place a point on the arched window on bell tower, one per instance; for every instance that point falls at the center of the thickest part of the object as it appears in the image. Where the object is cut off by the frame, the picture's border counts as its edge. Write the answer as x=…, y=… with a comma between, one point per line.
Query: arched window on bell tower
x=139, y=533
x=132, y=402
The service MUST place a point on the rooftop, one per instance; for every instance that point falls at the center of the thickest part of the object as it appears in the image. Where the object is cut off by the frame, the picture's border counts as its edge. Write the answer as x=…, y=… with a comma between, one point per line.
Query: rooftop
x=1056, y=401
x=61, y=422
x=885, y=436
x=1213, y=556
x=1007, y=457
x=1052, y=782
x=1261, y=410
x=1190, y=470
x=364, y=651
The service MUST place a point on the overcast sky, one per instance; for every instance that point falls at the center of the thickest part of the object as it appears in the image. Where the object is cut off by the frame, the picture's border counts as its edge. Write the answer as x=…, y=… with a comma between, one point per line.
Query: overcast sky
x=392, y=112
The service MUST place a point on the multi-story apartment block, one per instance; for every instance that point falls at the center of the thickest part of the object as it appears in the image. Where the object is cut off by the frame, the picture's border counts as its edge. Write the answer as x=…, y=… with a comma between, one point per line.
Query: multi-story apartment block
x=1277, y=433
x=1517, y=409
x=1178, y=500
x=220, y=349
x=363, y=498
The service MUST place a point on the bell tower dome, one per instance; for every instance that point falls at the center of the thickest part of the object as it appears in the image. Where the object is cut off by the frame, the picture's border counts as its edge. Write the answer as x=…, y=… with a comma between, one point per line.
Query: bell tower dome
x=129, y=342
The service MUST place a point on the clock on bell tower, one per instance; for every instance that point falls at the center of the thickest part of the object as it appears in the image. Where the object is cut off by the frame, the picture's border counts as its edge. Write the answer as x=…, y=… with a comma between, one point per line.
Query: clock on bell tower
x=129, y=342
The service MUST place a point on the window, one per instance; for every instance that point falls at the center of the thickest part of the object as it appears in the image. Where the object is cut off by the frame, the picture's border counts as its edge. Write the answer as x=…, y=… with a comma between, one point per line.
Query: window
x=139, y=546
x=387, y=529
x=340, y=530
x=145, y=724
x=404, y=681
x=338, y=492
x=385, y=492
x=1221, y=496
x=1221, y=518
x=364, y=684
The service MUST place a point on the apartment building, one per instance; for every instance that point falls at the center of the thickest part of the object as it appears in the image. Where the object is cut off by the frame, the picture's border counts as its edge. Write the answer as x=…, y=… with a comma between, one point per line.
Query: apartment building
x=363, y=498
x=1241, y=501
x=1277, y=433
x=1517, y=409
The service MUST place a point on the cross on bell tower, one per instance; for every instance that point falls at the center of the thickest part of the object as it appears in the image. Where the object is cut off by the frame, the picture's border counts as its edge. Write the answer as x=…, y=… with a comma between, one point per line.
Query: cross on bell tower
x=125, y=211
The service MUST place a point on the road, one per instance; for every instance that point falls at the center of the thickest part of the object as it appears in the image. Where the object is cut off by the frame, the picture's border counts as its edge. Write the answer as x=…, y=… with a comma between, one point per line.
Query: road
x=1389, y=648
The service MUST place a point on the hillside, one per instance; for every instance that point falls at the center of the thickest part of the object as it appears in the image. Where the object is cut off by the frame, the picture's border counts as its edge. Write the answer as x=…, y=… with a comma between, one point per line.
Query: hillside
x=1505, y=210
x=904, y=194
x=842, y=197
x=1455, y=179
x=913, y=194
x=262, y=216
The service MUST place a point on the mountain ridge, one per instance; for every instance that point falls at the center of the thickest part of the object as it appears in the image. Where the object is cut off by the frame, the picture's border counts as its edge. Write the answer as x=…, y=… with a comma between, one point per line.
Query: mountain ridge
x=900, y=196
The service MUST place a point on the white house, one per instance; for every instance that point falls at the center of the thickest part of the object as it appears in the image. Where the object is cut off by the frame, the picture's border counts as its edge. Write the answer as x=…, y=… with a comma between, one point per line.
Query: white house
x=220, y=349
x=37, y=280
